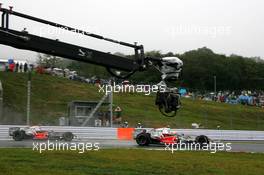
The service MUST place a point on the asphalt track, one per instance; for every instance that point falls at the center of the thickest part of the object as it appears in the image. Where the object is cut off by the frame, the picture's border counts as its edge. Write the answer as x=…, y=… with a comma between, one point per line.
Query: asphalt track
x=250, y=147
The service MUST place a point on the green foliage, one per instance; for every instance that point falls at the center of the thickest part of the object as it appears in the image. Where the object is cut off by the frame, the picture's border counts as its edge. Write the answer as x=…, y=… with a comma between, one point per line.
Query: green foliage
x=88, y=70
x=233, y=72
x=49, y=61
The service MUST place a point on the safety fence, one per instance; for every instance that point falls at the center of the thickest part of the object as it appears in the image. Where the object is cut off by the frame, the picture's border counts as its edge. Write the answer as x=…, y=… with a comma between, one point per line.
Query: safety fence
x=126, y=133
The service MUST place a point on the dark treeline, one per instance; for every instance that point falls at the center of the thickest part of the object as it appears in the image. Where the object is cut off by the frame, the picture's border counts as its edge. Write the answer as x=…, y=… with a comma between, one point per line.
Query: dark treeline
x=232, y=72
x=200, y=66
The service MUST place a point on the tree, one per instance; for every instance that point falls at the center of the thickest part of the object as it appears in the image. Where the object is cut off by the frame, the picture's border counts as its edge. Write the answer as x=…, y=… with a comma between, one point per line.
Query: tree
x=50, y=61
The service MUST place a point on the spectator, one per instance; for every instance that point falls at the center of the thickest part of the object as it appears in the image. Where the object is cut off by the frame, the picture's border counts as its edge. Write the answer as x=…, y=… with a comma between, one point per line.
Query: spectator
x=139, y=125
x=118, y=112
x=12, y=67
x=25, y=67
x=17, y=67
x=21, y=67
x=125, y=125
x=6, y=67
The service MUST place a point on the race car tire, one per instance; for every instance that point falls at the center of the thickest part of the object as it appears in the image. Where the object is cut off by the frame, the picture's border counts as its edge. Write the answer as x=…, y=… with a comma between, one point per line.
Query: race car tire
x=18, y=135
x=143, y=139
x=67, y=136
x=202, y=140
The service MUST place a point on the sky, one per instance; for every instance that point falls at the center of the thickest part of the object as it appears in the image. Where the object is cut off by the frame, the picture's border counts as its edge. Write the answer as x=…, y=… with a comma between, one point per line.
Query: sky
x=225, y=26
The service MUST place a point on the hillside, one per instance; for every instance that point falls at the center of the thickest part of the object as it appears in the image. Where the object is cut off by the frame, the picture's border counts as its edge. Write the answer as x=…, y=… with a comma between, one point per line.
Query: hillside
x=50, y=96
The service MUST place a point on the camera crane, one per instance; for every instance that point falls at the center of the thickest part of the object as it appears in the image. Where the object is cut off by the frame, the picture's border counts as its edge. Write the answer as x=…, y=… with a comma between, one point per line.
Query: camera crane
x=168, y=101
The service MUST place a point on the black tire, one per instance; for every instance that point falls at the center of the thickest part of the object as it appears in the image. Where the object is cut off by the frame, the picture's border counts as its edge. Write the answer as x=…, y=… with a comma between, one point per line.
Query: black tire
x=143, y=139
x=67, y=136
x=18, y=135
x=202, y=140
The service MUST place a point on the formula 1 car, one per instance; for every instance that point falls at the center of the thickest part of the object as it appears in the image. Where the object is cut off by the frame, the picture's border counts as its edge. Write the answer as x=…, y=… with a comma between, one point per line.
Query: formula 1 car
x=36, y=133
x=166, y=136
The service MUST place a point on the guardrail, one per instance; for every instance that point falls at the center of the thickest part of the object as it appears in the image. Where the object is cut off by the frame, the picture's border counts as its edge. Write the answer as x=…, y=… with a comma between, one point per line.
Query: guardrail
x=112, y=133
x=1, y=99
x=228, y=135
x=80, y=132
x=224, y=135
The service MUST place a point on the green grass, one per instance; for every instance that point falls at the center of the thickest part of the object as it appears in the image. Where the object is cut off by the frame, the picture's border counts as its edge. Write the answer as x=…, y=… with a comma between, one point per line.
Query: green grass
x=128, y=162
x=50, y=96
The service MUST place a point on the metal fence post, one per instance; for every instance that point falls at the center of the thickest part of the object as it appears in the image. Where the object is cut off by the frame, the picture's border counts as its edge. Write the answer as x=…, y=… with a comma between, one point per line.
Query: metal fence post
x=28, y=97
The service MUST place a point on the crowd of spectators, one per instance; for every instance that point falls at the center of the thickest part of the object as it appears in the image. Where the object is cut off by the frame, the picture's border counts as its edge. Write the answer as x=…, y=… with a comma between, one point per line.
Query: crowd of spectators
x=243, y=97
x=19, y=67
x=250, y=98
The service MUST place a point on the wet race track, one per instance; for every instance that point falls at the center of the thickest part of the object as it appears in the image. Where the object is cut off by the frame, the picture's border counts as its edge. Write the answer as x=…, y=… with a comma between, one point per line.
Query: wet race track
x=251, y=147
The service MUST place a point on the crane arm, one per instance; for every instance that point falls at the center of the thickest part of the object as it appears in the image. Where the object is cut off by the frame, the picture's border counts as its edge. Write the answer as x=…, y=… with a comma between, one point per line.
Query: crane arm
x=170, y=67
x=22, y=40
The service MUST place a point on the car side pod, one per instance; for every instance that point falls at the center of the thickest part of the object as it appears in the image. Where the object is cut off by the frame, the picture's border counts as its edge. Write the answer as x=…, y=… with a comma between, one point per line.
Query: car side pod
x=169, y=140
x=41, y=135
